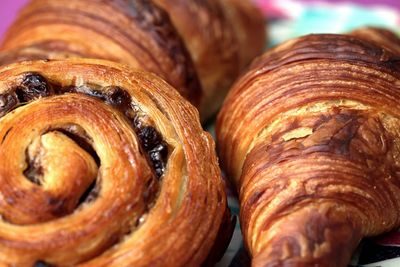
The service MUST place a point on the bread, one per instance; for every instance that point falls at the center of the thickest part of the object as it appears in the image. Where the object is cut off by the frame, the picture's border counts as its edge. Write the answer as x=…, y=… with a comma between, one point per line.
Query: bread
x=310, y=135
x=101, y=165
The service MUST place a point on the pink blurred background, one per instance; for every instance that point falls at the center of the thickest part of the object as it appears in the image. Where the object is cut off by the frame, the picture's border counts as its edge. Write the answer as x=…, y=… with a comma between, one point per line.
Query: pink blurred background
x=8, y=8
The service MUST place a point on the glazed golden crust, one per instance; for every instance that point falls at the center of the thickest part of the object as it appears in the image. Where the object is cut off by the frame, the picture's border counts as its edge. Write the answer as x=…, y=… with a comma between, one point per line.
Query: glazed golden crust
x=133, y=32
x=221, y=35
x=222, y=38
x=310, y=136
x=131, y=216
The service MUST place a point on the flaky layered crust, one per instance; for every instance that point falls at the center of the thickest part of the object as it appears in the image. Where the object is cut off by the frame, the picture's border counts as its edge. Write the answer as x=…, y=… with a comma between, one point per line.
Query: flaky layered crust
x=311, y=137
x=222, y=36
x=101, y=165
x=134, y=32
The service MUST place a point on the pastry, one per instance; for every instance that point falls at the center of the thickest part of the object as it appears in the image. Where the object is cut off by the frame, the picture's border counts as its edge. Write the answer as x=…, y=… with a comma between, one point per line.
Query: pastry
x=379, y=36
x=136, y=32
x=310, y=135
x=101, y=165
x=222, y=36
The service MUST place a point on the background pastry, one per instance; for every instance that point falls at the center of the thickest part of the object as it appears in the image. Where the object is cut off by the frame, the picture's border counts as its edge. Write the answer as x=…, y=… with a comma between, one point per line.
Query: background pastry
x=223, y=36
x=218, y=34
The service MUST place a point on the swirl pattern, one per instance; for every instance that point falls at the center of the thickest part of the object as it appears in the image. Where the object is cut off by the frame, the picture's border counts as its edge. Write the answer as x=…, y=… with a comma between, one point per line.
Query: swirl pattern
x=310, y=136
x=101, y=165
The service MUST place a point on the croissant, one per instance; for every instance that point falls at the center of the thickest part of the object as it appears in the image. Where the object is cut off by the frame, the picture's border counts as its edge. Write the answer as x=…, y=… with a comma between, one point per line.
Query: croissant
x=310, y=135
x=101, y=165
x=222, y=36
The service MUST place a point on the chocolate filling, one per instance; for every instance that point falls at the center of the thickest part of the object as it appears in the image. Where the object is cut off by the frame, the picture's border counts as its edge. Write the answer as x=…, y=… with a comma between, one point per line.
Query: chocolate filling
x=155, y=147
x=91, y=193
x=7, y=103
x=150, y=139
x=33, y=86
x=34, y=171
x=117, y=97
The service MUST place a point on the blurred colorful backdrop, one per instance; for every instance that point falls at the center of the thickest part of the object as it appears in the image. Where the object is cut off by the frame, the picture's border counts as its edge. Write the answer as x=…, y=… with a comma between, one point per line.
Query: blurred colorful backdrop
x=293, y=17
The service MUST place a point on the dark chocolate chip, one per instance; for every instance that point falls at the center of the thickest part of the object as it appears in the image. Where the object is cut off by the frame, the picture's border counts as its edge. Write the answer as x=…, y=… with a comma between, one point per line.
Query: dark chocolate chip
x=7, y=103
x=160, y=170
x=149, y=137
x=158, y=156
x=161, y=148
x=157, y=161
x=33, y=86
x=118, y=97
x=155, y=156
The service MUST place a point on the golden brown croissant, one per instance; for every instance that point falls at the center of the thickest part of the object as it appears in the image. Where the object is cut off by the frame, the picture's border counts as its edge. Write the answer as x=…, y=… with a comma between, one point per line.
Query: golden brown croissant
x=311, y=137
x=221, y=35
x=101, y=165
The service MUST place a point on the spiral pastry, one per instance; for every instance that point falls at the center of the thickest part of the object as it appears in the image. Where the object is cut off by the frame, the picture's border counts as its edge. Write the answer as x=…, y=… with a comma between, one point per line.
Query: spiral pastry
x=104, y=166
x=222, y=36
x=310, y=135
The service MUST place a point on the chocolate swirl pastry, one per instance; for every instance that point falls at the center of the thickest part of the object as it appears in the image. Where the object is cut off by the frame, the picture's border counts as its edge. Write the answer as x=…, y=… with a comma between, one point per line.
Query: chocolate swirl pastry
x=104, y=166
x=222, y=36
x=310, y=134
